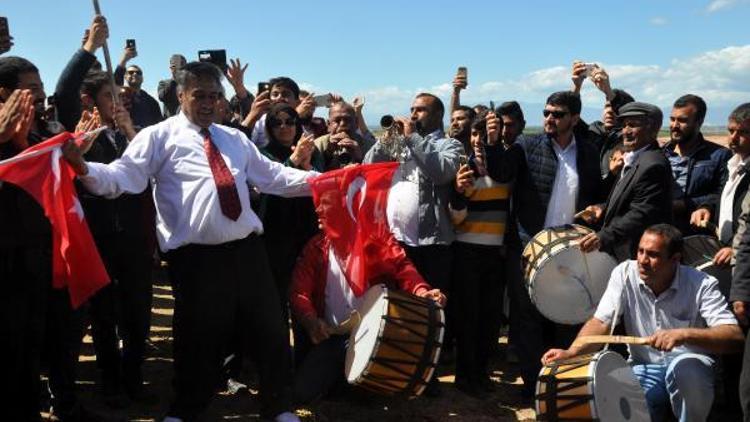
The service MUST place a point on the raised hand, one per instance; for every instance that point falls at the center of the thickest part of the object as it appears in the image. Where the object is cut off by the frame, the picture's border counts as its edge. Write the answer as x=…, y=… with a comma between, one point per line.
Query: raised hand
x=236, y=77
x=97, y=34
x=89, y=121
x=306, y=107
x=11, y=115
x=302, y=153
x=494, y=127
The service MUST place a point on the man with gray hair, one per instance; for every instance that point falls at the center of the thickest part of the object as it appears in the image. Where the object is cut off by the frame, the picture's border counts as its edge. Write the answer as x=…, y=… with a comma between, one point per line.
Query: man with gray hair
x=168, y=87
x=342, y=144
x=210, y=236
x=643, y=194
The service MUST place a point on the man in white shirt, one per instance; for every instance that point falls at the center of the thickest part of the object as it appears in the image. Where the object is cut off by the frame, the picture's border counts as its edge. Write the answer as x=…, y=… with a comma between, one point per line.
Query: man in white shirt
x=682, y=314
x=217, y=263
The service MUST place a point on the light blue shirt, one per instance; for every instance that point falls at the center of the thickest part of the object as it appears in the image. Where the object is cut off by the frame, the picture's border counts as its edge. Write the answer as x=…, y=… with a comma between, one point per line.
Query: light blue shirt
x=693, y=300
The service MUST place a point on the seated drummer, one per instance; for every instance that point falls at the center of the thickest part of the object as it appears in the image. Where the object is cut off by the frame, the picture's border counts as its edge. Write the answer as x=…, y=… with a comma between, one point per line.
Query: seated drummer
x=683, y=316
x=321, y=298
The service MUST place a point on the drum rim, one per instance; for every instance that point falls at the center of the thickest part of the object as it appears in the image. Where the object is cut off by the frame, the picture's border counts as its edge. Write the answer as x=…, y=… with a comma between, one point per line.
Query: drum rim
x=381, y=326
x=590, y=369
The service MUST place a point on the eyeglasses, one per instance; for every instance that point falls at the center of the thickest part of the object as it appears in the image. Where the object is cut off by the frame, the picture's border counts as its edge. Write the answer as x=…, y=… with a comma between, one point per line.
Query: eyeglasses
x=555, y=113
x=279, y=123
x=134, y=72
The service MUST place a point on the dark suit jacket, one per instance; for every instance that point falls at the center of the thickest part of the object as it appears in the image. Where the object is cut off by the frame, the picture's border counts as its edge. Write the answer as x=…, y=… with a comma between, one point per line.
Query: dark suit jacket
x=641, y=198
x=531, y=164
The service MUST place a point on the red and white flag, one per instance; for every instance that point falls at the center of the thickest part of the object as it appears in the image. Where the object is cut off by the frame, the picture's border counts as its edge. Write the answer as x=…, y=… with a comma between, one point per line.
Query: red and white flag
x=44, y=174
x=351, y=204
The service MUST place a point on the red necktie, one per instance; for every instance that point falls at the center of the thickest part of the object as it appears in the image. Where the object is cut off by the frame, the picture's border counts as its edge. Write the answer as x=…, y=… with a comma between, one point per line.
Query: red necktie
x=229, y=199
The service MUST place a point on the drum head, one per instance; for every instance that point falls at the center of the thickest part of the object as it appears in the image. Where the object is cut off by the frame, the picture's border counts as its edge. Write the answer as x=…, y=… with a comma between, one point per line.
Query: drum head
x=567, y=287
x=363, y=340
x=617, y=394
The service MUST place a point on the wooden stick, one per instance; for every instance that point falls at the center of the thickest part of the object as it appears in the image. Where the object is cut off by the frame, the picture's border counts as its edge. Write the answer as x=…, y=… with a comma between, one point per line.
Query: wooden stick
x=347, y=325
x=580, y=341
x=108, y=62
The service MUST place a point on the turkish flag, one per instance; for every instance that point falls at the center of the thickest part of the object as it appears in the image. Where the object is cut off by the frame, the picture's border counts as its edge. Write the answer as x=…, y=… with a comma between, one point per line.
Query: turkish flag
x=44, y=174
x=351, y=204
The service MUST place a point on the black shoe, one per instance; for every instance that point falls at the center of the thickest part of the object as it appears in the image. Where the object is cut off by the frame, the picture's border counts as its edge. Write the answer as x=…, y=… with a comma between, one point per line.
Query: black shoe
x=471, y=389
x=486, y=384
x=139, y=394
x=433, y=389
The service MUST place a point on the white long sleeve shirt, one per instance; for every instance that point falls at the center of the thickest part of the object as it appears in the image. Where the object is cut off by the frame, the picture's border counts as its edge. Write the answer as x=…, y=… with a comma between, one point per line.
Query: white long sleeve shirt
x=172, y=156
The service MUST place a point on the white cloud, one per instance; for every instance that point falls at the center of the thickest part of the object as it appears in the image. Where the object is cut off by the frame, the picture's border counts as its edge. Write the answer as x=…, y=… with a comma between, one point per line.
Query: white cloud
x=717, y=5
x=658, y=21
x=721, y=77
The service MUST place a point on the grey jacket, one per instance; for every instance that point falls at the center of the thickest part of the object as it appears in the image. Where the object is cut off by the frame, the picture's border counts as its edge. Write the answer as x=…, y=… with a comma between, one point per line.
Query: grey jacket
x=437, y=158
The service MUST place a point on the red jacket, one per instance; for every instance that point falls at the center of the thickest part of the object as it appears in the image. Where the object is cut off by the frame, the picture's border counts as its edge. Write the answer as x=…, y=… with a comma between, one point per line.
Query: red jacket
x=307, y=294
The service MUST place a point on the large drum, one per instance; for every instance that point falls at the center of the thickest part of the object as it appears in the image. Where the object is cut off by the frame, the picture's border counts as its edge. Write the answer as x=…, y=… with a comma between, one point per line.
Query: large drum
x=598, y=387
x=698, y=252
x=395, y=348
x=564, y=283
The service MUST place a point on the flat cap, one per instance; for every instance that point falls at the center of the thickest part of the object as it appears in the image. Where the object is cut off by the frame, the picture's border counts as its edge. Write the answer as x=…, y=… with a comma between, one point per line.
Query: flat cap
x=639, y=109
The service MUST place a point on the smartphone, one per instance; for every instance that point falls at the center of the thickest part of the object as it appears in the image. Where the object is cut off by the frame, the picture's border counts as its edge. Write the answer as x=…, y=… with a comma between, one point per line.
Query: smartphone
x=263, y=87
x=323, y=100
x=492, y=106
x=216, y=57
x=4, y=35
x=463, y=72
x=589, y=68
x=130, y=43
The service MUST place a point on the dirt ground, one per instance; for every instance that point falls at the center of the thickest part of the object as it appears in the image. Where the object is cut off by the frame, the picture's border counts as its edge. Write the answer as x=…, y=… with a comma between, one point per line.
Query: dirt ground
x=350, y=405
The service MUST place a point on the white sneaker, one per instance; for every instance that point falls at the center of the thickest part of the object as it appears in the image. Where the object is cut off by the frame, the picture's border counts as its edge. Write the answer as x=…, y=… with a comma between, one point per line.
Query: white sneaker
x=286, y=417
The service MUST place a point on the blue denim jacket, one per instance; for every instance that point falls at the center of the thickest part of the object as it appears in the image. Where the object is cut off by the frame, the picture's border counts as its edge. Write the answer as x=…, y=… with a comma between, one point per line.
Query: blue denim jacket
x=437, y=159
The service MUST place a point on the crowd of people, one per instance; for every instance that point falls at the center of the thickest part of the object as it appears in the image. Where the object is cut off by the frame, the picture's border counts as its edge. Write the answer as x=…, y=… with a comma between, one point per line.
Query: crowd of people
x=216, y=186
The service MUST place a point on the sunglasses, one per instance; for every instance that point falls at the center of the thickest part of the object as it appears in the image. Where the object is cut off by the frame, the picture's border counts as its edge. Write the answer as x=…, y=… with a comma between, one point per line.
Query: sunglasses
x=134, y=72
x=556, y=114
x=287, y=122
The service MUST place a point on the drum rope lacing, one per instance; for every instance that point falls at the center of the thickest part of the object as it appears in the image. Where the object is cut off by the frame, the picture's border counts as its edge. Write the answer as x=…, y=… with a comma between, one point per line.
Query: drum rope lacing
x=550, y=394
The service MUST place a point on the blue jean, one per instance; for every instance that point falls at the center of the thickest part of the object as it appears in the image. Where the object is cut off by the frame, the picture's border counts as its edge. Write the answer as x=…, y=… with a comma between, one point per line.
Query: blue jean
x=686, y=383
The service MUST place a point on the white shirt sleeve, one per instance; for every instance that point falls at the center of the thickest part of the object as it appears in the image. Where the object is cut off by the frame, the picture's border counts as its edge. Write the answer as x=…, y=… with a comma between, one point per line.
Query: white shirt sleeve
x=273, y=177
x=128, y=174
x=713, y=307
x=613, y=297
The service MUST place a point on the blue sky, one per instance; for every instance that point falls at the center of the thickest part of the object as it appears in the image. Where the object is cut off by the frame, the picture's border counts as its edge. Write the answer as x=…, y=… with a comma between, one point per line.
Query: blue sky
x=389, y=50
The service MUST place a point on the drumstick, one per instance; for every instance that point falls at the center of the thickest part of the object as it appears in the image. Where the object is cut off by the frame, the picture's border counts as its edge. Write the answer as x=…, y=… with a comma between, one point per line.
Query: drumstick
x=347, y=325
x=580, y=341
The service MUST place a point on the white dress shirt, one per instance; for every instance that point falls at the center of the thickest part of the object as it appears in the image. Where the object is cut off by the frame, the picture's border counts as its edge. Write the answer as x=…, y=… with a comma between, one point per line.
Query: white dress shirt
x=402, y=209
x=735, y=164
x=172, y=156
x=340, y=300
x=562, y=202
x=693, y=300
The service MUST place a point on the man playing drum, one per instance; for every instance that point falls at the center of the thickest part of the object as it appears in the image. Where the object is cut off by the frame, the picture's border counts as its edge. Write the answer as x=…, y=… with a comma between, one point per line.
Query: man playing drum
x=321, y=298
x=682, y=317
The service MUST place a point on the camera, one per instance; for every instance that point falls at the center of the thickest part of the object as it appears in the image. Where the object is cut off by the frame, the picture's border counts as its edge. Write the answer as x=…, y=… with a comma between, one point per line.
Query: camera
x=343, y=156
x=589, y=68
x=216, y=57
x=130, y=43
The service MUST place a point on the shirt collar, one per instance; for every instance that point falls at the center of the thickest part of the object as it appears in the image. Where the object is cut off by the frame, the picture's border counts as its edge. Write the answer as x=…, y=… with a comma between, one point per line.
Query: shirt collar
x=676, y=280
x=736, y=163
x=437, y=134
x=185, y=122
x=569, y=148
x=630, y=157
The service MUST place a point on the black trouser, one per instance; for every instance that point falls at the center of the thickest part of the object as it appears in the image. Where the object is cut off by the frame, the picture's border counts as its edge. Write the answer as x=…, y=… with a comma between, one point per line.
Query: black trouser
x=536, y=334
x=217, y=287
x=122, y=309
x=62, y=346
x=476, y=300
x=745, y=381
x=433, y=262
x=25, y=280
x=320, y=367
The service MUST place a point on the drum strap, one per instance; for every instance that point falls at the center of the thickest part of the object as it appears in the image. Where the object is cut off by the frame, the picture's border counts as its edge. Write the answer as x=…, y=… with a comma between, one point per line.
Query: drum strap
x=556, y=386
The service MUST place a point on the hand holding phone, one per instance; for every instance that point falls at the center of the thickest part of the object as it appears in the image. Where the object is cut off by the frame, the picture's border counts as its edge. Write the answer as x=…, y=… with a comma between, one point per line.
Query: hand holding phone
x=462, y=76
x=263, y=87
x=6, y=41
